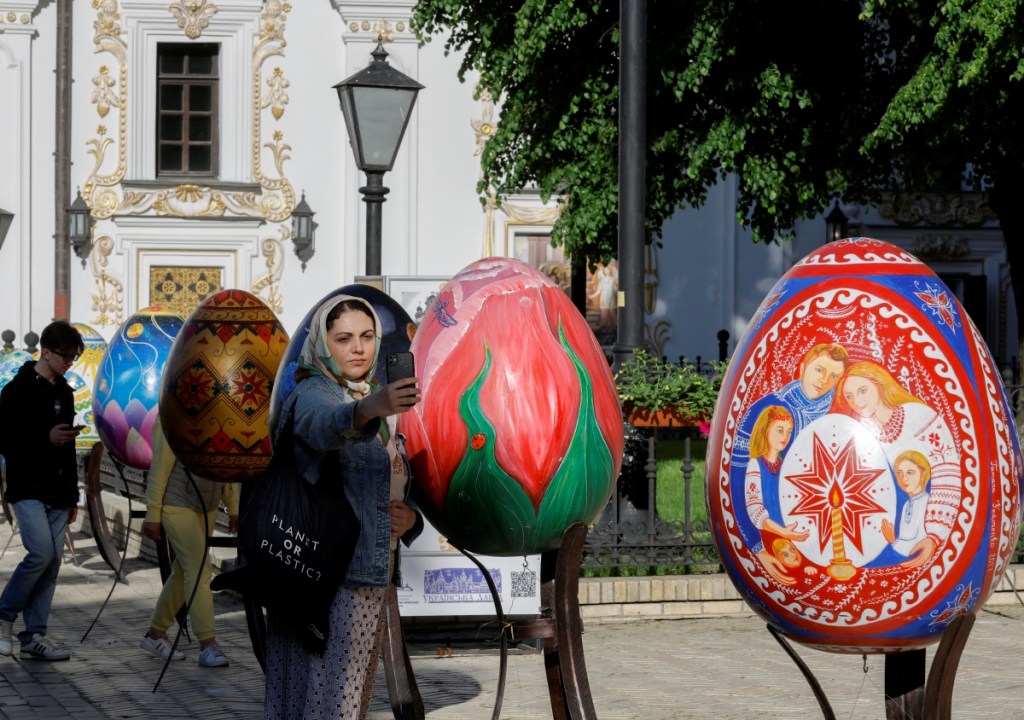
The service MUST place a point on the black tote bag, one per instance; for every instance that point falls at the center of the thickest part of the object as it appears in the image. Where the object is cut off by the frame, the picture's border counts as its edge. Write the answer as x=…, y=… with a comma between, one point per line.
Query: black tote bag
x=295, y=540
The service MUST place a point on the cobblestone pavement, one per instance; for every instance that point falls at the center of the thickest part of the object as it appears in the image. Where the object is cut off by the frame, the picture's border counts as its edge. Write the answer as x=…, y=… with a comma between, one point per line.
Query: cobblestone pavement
x=653, y=670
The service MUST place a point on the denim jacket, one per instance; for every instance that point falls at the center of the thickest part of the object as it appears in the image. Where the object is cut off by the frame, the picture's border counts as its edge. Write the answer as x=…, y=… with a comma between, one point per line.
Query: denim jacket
x=323, y=423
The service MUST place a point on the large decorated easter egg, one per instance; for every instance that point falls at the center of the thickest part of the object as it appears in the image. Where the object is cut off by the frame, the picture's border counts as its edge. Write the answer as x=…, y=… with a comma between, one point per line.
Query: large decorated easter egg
x=10, y=363
x=863, y=469
x=216, y=389
x=519, y=433
x=82, y=378
x=396, y=326
x=127, y=392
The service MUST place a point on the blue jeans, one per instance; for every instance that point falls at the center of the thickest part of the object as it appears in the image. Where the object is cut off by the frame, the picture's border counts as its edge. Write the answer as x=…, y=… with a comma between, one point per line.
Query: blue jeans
x=30, y=588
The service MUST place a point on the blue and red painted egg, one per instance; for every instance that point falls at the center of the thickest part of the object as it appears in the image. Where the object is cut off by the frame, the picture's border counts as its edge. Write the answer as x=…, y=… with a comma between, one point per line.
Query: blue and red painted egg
x=519, y=434
x=863, y=469
x=217, y=386
x=127, y=391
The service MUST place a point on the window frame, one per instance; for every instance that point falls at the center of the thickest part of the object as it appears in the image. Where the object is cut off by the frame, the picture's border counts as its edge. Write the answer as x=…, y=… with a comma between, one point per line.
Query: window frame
x=188, y=81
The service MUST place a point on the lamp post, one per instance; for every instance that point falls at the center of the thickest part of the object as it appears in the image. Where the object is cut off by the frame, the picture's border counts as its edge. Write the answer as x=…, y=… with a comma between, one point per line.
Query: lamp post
x=80, y=227
x=6, y=220
x=377, y=103
x=836, y=224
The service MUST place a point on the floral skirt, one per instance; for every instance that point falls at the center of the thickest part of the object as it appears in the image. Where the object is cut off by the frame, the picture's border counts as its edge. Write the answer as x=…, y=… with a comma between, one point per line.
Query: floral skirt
x=302, y=686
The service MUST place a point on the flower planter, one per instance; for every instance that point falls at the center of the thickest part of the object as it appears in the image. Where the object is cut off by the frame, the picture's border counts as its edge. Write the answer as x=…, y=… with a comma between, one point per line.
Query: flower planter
x=667, y=417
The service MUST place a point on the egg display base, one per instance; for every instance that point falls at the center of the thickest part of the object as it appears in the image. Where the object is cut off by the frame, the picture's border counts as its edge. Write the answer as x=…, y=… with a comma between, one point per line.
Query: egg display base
x=559, y=628
x=907, y=695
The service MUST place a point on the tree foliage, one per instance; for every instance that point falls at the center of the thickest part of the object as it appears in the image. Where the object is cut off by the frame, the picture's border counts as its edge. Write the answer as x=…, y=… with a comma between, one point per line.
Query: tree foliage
x=802, y=101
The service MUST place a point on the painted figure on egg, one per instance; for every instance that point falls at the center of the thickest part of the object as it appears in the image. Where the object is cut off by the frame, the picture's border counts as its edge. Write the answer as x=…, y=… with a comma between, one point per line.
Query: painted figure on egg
x=895, y=503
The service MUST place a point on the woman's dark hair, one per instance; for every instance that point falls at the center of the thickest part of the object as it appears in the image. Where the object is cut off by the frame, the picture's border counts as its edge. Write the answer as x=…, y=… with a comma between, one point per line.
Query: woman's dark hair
x=347, y=306
x=62, y=336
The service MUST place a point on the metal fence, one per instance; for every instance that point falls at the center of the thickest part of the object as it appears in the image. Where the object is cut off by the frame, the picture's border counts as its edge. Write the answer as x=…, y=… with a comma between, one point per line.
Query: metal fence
x=630, y=538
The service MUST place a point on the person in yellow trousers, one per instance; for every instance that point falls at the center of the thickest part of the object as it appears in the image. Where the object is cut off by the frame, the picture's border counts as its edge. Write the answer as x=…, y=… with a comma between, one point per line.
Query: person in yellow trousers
x=176, y=504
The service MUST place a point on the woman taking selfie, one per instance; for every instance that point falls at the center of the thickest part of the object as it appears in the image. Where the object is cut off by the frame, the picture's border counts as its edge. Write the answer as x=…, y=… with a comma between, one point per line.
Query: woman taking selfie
x=337, y=409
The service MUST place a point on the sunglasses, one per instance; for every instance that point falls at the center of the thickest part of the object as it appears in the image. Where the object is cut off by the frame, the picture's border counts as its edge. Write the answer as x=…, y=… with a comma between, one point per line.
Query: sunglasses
x=68, y=357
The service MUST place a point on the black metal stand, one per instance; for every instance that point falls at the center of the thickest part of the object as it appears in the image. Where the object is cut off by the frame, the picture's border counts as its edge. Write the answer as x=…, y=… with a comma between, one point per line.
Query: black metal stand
x=559, y=626
x=907, y=695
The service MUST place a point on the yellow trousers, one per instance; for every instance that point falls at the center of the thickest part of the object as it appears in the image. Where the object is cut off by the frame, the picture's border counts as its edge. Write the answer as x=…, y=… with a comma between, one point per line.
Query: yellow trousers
x=185, y=532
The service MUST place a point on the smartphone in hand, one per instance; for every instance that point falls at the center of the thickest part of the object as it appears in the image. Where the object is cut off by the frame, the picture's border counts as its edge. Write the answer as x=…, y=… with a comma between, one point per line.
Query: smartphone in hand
x=399, y=366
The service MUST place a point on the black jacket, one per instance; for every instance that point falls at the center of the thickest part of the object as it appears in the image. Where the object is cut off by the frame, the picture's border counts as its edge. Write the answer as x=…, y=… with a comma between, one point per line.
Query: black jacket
x=30, y=406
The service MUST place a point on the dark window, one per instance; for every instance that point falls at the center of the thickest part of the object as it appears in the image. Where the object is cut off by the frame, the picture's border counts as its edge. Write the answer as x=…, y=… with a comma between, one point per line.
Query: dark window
x=187, y=95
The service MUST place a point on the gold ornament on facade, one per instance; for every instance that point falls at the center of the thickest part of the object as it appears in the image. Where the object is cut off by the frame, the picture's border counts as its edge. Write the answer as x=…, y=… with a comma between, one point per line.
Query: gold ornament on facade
x=102, y=192
x=108, y=299
x=12, y=17
x=103, y=96
x=108, y=20
x=485, y=126
x=383, y=29
x=268, y=286
x=277, y=98
x=940, y=247
x=272, y=22
x=25, y=19
x=189, y=193
x=182, y=289
x=193, y=16
x=936, y=209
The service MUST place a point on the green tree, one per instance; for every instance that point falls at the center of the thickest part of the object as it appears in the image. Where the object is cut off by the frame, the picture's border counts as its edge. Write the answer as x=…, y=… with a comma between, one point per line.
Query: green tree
x=803, y=102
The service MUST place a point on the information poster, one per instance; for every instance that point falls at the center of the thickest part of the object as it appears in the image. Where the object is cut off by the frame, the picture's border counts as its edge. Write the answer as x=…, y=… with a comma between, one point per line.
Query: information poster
x=438, y=580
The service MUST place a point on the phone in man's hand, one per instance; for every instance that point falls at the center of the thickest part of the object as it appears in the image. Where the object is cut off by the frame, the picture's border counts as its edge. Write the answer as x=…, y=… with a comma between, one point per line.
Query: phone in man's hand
x=399, y=366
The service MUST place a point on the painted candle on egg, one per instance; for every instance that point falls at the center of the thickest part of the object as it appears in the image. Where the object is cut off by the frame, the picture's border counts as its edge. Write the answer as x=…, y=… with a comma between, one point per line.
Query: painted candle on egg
x=863, y=469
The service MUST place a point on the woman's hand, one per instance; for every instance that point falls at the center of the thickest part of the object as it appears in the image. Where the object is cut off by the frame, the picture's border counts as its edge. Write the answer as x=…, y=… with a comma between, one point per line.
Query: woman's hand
x=403, y=518
x=393, y=398
x=151, y=530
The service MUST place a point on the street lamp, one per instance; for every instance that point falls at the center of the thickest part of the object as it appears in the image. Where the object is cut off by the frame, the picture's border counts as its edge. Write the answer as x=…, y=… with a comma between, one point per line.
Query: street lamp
x=6, y=219
x=303, y=231
x=836, y=224
x=80, y=227
x=377, y=103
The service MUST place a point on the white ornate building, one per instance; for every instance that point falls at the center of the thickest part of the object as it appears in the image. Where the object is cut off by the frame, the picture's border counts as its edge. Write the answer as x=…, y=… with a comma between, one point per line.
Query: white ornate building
x=180, y=214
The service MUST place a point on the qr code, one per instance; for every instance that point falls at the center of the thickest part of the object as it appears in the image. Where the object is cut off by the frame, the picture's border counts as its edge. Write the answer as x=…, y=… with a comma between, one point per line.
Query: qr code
x=524, y=584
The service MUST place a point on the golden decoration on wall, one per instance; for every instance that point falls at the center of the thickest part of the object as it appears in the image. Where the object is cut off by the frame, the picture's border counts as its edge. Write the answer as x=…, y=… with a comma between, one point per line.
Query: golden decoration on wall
x=277, y=98
x=181, y=289
x=102, y=190
x=486, y=125
x=193, y=16
x=936, y=209
x=268, y=286
x=382, y=28
x=108, y=300
x=103, y=96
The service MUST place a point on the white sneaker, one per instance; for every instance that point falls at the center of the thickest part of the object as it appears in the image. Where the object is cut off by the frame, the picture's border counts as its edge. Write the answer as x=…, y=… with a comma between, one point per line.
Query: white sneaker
x=161, y=647
x=41, y=647
x=211, y=656
x=6, y=639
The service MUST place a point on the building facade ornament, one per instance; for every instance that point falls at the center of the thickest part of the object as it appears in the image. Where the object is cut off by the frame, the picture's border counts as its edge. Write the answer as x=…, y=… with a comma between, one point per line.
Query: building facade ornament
x=103, y=190
x=485, y=125
x=193, y=16
x=108, y=298
x=936, y=209
x=267, y=287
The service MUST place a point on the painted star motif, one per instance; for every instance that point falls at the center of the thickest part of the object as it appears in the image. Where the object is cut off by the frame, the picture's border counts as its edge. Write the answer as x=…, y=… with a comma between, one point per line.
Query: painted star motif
x=836, y=481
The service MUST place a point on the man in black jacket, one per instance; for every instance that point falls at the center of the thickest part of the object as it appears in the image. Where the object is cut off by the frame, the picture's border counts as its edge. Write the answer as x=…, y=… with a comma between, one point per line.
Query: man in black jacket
x=37, y=440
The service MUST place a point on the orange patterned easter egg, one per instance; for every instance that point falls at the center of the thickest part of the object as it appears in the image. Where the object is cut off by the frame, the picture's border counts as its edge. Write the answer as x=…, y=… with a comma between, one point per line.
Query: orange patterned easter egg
x=215, y=400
